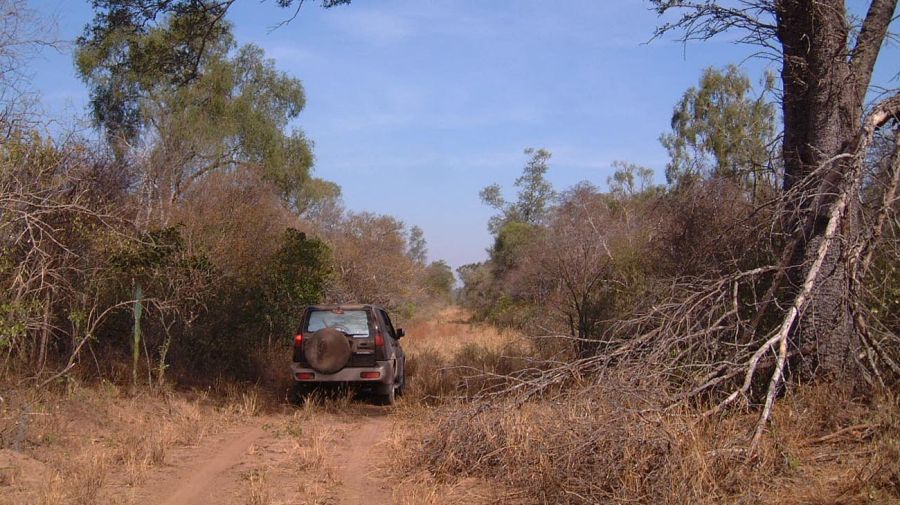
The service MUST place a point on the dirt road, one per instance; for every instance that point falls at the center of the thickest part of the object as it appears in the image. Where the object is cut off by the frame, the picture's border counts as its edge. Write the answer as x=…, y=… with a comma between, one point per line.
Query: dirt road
x=305, y=458
x=99, y=445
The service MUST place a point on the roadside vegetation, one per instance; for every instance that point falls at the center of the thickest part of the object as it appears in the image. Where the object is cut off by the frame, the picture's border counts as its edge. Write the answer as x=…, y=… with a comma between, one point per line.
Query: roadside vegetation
x=727, y=336
x=182, y=244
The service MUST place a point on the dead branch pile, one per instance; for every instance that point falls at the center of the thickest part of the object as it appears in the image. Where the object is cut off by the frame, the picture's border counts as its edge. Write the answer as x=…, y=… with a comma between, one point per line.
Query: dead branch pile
x=614, y=442
x=721, y=339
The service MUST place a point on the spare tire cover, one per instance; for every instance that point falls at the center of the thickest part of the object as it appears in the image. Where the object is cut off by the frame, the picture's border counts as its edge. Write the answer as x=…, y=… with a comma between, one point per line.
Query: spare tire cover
x=327, y=350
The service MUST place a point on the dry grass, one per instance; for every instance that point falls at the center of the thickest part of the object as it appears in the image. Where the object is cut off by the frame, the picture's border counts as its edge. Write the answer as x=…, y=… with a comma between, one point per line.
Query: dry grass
x=596, y=441
x=614, y=440
x=450, y=330
x=83, y=440
x=257, y=489
x=306, y=472
x=449, y=356
x=605, y=445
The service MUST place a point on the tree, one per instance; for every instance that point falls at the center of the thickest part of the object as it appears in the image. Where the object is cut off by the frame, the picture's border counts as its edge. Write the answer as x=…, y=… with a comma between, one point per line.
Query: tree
x=534, y=196
x=371, y=261
x=510, y=242
x=299, y=274
x=478, y=290
x=131, y=46
x=719, y=131
x=826, y=72
x=233, y=113
x=316, y=198
x=417, y=249
x=629, y=179
x=439, y=280
x=579, y=269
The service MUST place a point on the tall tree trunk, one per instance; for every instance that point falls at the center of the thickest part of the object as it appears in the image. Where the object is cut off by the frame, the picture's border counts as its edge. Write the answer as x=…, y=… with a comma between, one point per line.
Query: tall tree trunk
x=825, y=83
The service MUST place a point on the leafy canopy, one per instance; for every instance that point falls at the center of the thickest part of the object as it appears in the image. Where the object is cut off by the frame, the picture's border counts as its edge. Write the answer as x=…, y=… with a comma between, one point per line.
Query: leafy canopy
x=135, y=44
x=718, y=130
x=232, y=108
x=534, y=197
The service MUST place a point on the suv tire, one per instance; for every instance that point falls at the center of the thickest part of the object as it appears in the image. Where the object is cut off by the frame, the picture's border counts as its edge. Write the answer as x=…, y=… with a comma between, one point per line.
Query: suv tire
x=401, y=385
x=387, y=395
x=327, y=351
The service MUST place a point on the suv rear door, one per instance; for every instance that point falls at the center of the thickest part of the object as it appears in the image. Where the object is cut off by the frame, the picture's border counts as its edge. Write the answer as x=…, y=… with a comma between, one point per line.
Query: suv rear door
x=361, y=338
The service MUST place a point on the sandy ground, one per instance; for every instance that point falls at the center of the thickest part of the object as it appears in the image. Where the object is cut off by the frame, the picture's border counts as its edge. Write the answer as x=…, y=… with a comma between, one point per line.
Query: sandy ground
x=96, y=445
x=333, y=462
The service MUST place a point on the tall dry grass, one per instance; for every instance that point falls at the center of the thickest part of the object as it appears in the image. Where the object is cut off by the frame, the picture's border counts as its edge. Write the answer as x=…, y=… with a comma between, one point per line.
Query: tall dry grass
x=84, y=440
x=606, y=445
x=450, y=356
x=615, y=440
x=449, y=330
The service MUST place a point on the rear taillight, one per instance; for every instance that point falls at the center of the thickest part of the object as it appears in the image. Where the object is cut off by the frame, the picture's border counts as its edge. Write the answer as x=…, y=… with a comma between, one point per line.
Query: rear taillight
x=369, y=375
x=298, y=340
x=379, y=340
x=305, y=376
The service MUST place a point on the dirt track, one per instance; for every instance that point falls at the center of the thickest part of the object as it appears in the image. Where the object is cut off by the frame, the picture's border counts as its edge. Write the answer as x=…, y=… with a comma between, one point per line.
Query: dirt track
x=99, y=445
x=261, y=463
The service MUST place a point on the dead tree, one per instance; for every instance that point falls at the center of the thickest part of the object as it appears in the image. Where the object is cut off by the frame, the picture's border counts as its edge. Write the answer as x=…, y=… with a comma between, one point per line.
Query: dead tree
x=826, y=74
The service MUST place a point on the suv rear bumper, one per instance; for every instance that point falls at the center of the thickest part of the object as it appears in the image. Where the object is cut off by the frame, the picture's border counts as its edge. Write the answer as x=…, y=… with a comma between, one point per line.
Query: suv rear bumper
x=385, y=370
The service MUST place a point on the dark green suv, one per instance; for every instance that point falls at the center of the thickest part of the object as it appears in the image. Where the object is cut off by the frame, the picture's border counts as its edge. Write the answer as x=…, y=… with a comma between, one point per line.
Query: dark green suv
x=355, y=345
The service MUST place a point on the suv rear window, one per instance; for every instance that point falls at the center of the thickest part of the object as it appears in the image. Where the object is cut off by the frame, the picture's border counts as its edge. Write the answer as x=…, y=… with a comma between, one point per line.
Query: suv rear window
x=352, y=322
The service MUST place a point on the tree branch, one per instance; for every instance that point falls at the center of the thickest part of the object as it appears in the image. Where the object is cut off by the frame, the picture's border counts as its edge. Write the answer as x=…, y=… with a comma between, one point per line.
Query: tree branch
x=868, y=44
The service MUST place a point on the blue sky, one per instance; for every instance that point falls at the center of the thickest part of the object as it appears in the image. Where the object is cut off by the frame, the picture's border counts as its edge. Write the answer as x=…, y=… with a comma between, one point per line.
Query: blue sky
x=415, y=105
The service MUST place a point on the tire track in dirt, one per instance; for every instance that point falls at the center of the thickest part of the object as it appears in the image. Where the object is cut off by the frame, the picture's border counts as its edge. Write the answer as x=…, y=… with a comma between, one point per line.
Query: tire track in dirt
x=216, y=471
x=196, y=483
x=357, y=462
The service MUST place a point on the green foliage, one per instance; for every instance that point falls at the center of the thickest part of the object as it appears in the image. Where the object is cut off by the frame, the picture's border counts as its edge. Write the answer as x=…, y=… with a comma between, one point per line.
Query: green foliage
x=511, y=240
x=478, y=292
x=315, y=196
x=510, y=311
x=160, y=262
x=417, y=248
x=193, y=214
x=534, y=197
x=244, y=314
x=13, y=318
x=630, y=179
x=140, y=257
x=298, y=275
x=515, y=228
x=124, y=54
x=133, y=47
x=439, y=280
x=205, y=111
x=236, y=113
x=718, y=130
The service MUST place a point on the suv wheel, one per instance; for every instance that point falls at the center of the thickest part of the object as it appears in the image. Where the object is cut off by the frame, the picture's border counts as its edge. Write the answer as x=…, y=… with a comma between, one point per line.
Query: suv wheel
x=401, y=385
x=387, y=395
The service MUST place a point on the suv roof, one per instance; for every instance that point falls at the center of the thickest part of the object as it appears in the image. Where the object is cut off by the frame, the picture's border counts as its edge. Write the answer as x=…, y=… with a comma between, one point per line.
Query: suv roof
x=346, y=306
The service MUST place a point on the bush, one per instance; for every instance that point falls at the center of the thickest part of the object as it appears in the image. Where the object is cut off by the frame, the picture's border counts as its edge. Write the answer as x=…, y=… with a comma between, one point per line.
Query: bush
x=613, y=443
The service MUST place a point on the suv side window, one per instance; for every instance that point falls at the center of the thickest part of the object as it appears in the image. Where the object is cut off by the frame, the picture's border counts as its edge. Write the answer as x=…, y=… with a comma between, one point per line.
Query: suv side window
x=387, y=324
